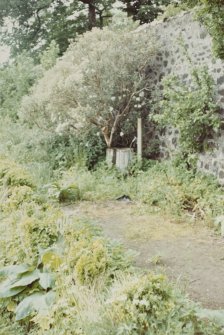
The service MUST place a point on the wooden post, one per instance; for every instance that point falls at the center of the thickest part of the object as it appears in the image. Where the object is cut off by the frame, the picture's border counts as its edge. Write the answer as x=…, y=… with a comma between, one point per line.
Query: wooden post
x=139, y=139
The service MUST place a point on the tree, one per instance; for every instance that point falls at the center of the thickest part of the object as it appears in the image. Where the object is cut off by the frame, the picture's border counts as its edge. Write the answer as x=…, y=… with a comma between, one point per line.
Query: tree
x=17, y=78
x=145, y=11
x=100, y=82
x=36, y=23
x=15, y=81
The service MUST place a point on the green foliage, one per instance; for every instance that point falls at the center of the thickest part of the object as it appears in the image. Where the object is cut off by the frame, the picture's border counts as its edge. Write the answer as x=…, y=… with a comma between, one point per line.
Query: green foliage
x=17, y=77
x=15, y=82
x=191, y=109
x=34, y=227
x=99, y=82
x=148, y=305
x=34, y=223
x=172, y=9
x=49, y=56
x=46, y=154
x=65, y=278
x=69, y=194
x=14, y=197
x=11, y=174
x=22, y=287
x=91, y=256
x=211, y=14
x=162, y=187
x=147, y=10
x=36, y=302
x=181, y=193
x=38, y=24
x=91, y=263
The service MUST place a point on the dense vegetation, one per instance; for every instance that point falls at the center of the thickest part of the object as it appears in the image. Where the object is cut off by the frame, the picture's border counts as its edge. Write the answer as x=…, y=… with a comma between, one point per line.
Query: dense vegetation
x=59, y=274
x=29, y=24
x=191, y=110
x=211, y=14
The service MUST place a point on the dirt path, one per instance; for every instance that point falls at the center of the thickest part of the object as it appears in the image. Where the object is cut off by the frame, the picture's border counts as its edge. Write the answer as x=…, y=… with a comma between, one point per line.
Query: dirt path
x=193, y=256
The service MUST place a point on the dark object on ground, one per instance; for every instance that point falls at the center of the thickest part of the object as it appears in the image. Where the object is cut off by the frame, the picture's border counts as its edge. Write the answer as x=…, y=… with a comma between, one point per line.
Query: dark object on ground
x=124, y=198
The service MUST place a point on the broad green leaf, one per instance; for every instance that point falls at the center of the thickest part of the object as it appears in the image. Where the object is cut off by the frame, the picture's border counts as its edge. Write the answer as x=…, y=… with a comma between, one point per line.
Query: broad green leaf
x=27, y=278
x=14, y=270
x=6, y=289
x=37, y=302
x=56, y=249
x=47, y=280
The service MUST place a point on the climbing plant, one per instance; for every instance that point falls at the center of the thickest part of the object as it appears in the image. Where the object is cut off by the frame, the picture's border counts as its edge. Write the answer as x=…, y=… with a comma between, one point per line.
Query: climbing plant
x=189, y=108
x=211, y=14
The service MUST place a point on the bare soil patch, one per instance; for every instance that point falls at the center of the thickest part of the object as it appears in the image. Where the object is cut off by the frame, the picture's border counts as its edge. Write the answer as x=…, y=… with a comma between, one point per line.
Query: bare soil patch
x=191, y=255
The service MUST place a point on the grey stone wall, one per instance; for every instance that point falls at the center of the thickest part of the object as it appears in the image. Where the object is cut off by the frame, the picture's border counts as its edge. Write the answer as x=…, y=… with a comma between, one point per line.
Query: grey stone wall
x=171, y=59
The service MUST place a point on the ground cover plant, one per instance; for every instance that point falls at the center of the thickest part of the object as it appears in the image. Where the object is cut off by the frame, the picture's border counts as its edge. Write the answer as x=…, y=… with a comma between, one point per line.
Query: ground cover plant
x=58, y=273
x=163, y=187
x=52, y=266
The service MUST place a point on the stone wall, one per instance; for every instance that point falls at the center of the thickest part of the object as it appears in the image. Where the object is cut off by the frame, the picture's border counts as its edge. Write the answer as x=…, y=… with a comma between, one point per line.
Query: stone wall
x=171, y=59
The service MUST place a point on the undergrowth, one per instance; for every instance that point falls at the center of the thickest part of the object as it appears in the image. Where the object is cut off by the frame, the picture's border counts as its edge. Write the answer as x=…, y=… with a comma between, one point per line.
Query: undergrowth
x=162, y=187
x=59, y=275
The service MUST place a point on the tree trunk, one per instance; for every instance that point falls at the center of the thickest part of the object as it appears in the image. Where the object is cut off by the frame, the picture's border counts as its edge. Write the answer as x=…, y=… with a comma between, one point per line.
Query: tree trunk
x=106, y=136
x=129, y=9
x=92, y=15
x=101, y=19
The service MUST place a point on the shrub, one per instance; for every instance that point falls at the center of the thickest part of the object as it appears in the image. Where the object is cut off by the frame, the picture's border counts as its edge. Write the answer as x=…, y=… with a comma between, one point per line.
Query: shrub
x=25, y=231
x=100, y=81
x=149, y=305
x=191, y=109
x=92, y=263
x=12, y=174
x=69, y=194
x=14, y=197
x=16, y=80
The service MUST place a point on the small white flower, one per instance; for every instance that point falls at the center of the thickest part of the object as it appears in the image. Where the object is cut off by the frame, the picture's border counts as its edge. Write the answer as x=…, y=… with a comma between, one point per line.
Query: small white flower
x=121, y=133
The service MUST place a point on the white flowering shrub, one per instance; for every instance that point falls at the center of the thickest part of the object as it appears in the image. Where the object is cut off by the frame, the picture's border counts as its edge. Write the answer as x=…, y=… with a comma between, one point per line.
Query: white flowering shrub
x=100, y=81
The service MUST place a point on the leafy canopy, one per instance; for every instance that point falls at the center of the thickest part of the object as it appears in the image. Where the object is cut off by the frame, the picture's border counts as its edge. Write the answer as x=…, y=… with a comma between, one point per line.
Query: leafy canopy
x=100, y=81
x=31, y=25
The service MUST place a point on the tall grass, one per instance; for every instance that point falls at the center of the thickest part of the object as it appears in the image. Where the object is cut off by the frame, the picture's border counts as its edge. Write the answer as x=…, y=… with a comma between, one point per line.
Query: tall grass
x=162, y=187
